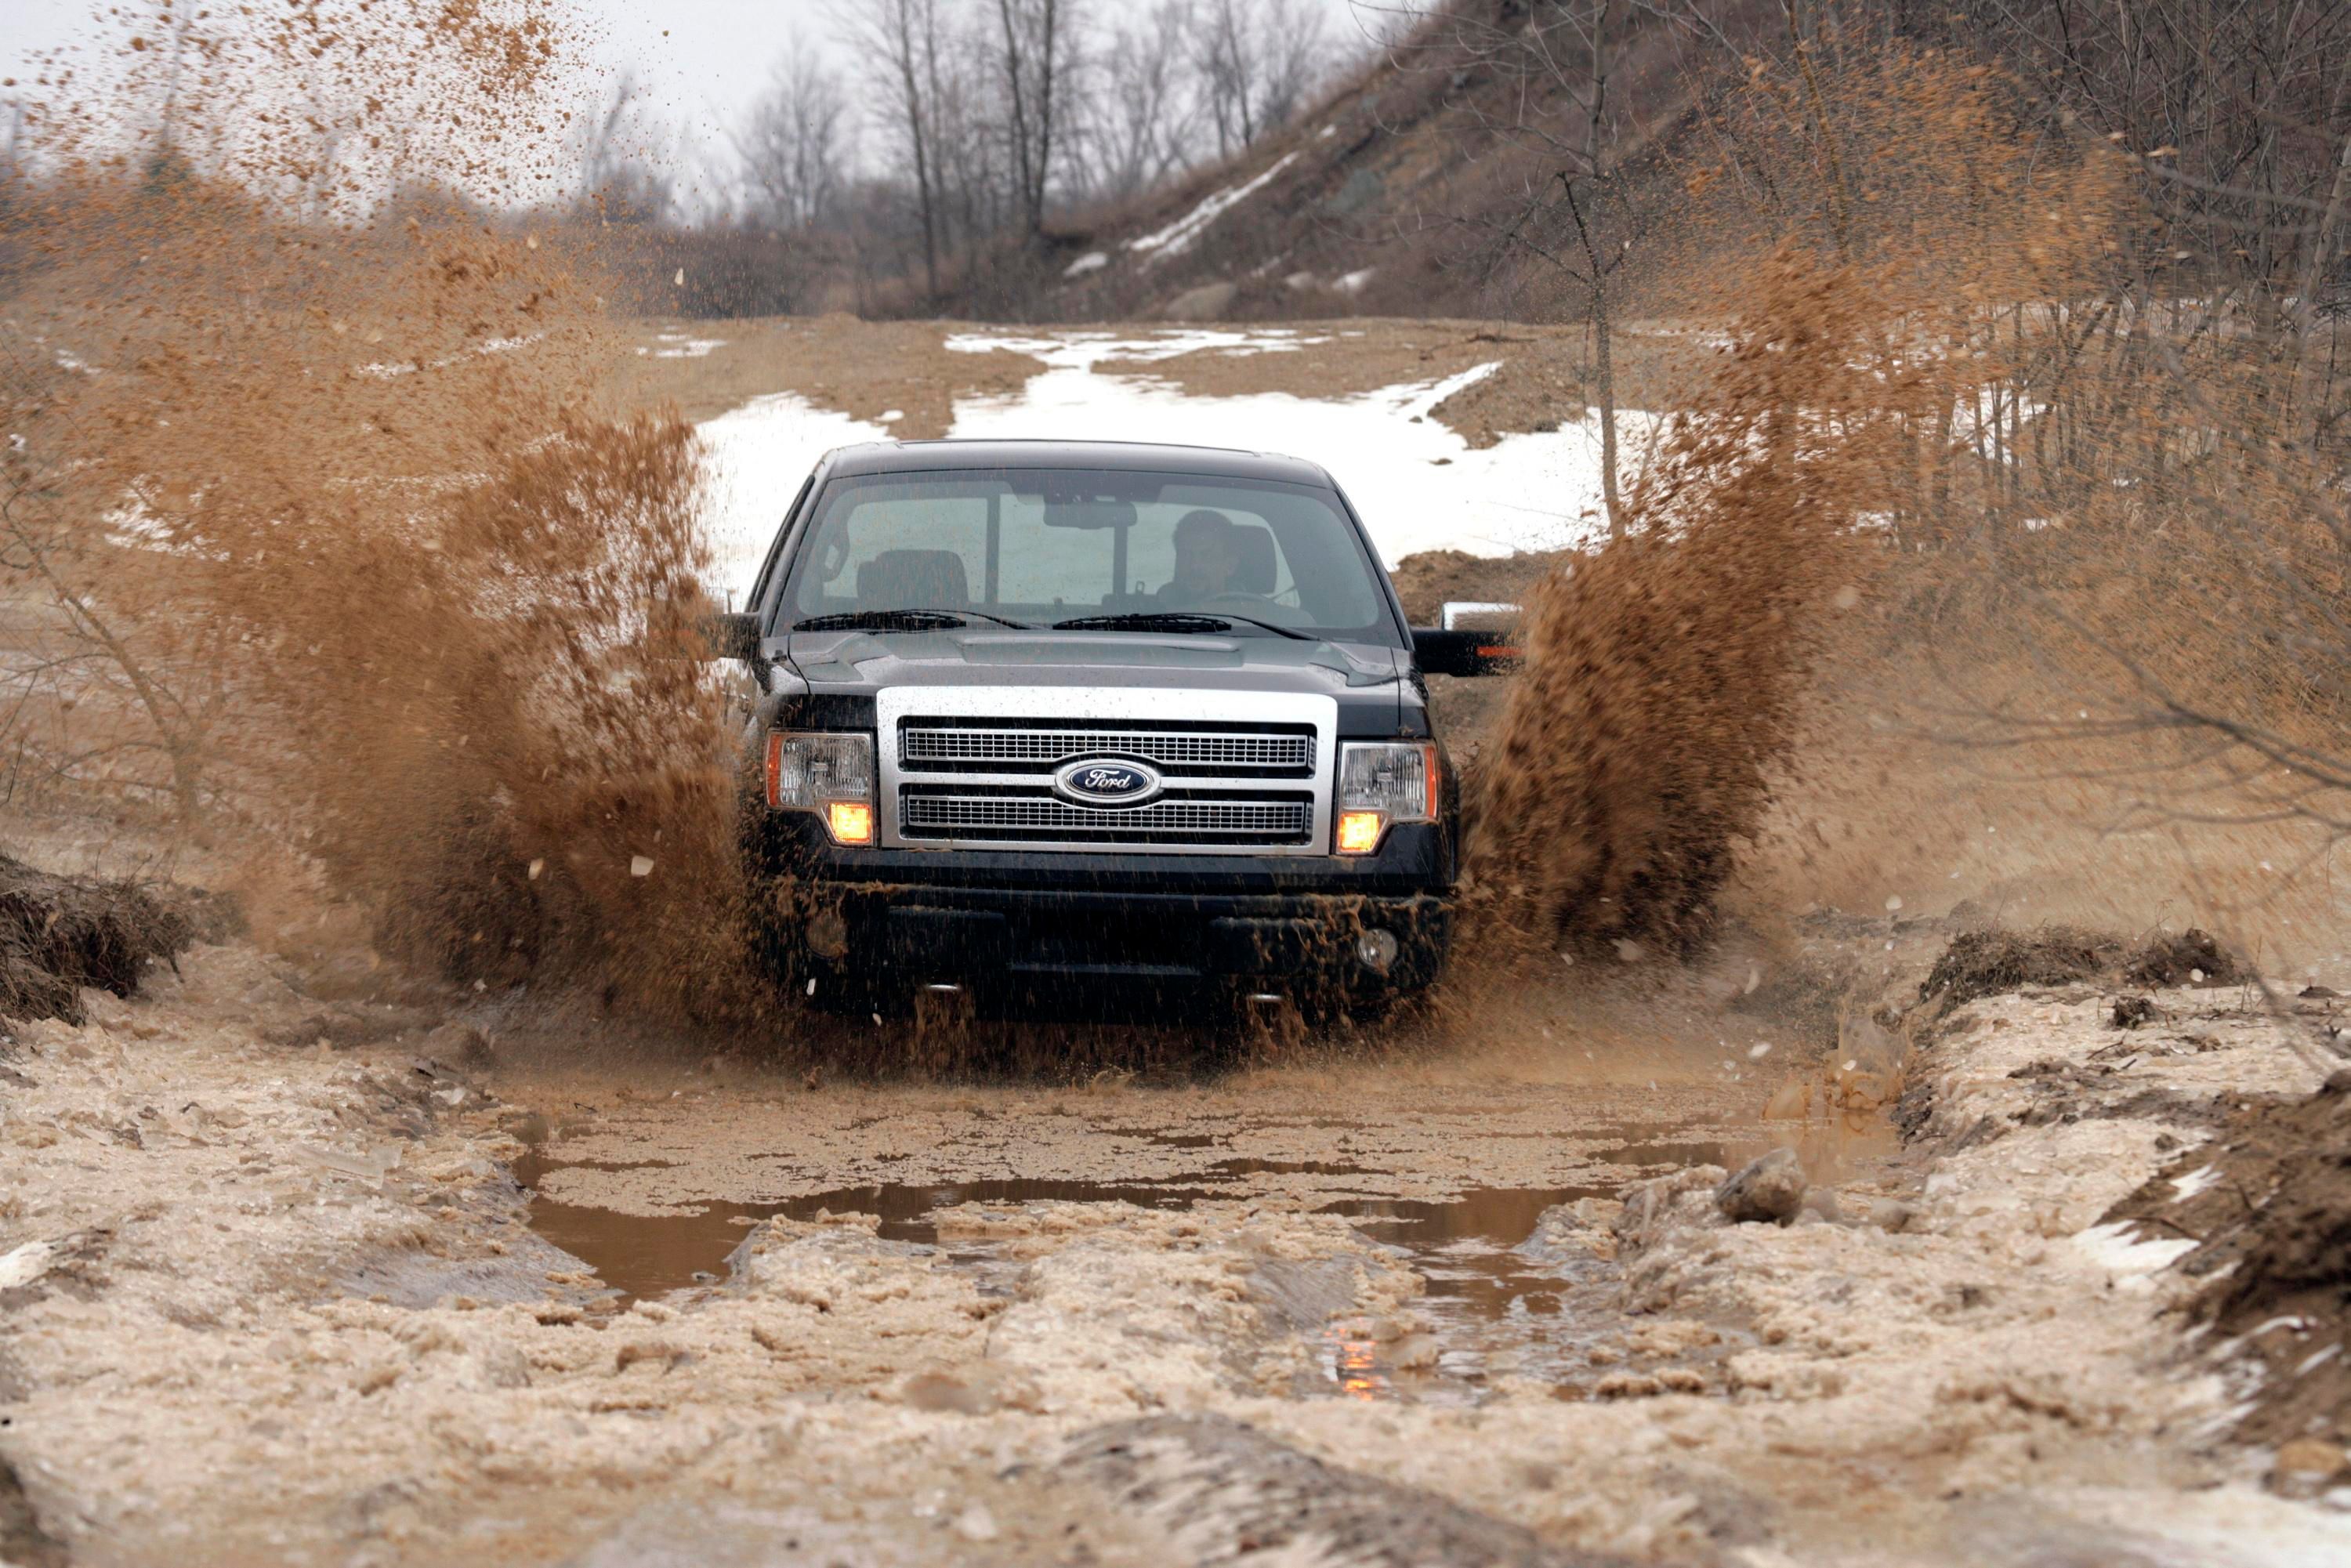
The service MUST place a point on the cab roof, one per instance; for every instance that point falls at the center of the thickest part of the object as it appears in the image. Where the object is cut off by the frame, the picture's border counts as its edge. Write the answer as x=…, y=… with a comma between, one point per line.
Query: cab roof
x=1131, y=456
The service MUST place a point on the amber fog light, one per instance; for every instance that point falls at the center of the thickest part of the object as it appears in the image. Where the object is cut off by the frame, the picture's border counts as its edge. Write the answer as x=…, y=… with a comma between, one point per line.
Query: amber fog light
x=850, y=822
x=1359, y=832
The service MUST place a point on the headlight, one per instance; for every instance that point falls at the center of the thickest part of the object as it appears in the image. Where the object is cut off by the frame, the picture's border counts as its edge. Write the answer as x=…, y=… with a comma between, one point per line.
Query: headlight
x=1381, y=783
x=829, y=773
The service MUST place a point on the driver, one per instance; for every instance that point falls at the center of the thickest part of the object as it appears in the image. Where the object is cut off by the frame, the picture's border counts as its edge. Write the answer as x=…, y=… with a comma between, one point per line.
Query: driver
x=1205, y=558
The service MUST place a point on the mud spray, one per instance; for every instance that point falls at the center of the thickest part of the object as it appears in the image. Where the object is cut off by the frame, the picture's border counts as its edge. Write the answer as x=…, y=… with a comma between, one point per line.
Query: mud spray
x=311, y=466
x=1672, y=676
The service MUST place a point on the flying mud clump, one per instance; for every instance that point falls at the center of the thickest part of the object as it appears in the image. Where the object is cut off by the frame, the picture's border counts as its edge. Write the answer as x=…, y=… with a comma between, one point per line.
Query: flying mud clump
x=312, y=471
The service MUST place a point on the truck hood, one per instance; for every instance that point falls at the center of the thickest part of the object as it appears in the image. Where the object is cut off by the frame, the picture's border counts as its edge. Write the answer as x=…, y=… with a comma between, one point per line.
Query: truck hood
x=850, y=663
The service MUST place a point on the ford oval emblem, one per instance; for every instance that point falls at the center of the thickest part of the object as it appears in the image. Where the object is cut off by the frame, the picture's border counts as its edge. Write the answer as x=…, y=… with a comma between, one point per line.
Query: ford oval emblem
x=1106, y=781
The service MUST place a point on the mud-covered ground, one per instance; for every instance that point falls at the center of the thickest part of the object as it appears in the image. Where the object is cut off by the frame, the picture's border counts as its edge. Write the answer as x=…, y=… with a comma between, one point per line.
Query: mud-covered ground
x=289, y=1280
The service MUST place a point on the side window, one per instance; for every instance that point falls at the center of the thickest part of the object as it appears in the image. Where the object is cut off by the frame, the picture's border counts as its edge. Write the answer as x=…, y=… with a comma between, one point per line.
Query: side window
x=930, y=525
x=1052, y=566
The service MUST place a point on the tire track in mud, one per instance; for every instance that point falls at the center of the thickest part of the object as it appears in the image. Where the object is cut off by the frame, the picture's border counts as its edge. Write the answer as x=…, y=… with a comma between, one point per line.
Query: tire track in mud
x=1224, y=1492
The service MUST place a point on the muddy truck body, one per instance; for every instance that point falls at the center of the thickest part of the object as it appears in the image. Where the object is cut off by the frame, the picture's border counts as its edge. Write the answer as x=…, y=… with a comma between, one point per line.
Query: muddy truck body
x=1056, y=727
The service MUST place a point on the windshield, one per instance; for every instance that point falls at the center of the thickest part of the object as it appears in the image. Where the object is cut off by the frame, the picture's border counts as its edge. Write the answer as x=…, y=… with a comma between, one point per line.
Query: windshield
x=1039, y=547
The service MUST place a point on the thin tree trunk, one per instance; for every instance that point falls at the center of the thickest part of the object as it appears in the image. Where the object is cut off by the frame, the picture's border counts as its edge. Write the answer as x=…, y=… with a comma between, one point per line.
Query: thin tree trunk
x=1605, y=386
x=1016, y=87
x=1052, y=36
x=1840, y=219
x=1603, y=360
x=2322, y=244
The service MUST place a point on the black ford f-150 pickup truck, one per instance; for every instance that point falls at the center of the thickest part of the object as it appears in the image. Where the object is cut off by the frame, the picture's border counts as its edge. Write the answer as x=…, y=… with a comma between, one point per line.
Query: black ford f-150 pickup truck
x=1038, y=722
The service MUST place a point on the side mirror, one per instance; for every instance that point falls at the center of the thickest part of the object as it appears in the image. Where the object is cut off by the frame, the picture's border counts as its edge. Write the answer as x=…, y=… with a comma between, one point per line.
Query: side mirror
x=1439, y=653
x=734, y=635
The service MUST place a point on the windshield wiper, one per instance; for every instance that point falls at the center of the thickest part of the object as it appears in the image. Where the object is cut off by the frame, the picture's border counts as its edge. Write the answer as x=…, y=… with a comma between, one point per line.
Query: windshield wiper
x=1180, y=621
x=899, y=621
x=1289, y=631
x=1145, y=621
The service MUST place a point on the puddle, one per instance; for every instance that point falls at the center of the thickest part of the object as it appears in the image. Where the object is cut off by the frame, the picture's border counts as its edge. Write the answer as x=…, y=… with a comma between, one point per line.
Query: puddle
x=654, y=1254
x=1493, y=1307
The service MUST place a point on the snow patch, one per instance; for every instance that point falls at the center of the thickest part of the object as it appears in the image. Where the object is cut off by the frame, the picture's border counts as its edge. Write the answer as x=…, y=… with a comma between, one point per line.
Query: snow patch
x=1353, y=282
x=1093, y=261
x=2116, y=1249
x=1178, y=237
x=758, y=455
x=687, y=347
x=2198, y=1180
x=24, y=1265
x=1529, y=491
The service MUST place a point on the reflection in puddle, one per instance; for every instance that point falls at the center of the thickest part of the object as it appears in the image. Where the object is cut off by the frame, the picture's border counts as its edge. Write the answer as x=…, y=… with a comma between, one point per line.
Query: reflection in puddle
x=1482, y=1302
x=1491, y=1306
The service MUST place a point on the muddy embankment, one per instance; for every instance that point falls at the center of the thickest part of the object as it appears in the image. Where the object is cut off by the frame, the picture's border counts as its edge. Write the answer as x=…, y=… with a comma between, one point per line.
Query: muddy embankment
x=272, y=1290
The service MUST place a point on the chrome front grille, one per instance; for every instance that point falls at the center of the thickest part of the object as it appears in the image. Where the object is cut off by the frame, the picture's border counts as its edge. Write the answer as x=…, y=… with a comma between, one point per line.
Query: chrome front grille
x=956, y=748
x=972, y=766
x=1047, y=817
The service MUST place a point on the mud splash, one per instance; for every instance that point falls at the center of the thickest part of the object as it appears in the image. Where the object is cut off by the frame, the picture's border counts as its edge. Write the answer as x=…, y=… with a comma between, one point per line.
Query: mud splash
x=308, y=472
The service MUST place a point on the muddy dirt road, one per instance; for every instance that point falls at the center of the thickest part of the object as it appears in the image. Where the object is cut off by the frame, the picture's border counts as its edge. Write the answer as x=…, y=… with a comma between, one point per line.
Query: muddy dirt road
x=300, y=1281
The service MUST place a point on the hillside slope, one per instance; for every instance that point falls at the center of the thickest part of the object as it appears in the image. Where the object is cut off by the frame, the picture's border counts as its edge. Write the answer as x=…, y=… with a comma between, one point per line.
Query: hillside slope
x=1388, y=200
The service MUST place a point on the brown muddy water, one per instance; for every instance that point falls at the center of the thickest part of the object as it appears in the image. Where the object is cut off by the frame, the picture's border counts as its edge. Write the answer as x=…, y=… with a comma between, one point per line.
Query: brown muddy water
x=1496, y=1300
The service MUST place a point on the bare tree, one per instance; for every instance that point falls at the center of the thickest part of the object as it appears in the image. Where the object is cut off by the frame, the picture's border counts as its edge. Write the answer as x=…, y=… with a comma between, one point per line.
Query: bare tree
x=1577, y=216
x=900, y=40
x=1037, y=38
x=85, y=697
x=1294, y=49
x=626, y=159
x=794, y=149
x=1256, y=62
x=1140, y=112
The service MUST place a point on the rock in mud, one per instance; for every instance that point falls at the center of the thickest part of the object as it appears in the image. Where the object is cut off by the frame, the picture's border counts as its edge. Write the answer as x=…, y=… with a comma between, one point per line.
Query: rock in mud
x=1208, y=302
x=1770, y=1187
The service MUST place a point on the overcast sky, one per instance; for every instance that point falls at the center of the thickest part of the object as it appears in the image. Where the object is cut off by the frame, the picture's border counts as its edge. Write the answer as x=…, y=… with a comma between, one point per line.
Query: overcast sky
x=704, y=60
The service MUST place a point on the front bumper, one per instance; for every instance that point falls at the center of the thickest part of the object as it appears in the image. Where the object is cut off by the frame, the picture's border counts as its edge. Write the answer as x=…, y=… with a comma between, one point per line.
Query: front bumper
x=1038, y=930
x=1033, y=946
